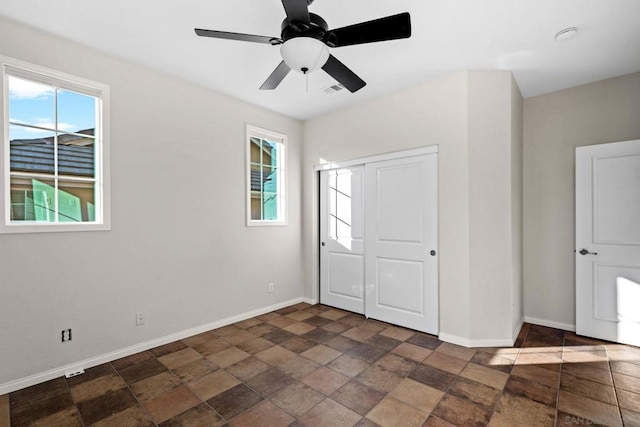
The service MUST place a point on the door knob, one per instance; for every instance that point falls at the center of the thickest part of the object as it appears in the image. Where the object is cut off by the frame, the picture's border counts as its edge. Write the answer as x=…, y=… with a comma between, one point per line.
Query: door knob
x=586, y=252
x=322, y=243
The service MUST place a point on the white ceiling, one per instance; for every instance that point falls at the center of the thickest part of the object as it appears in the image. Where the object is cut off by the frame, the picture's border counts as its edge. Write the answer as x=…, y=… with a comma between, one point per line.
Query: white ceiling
x=448, y=35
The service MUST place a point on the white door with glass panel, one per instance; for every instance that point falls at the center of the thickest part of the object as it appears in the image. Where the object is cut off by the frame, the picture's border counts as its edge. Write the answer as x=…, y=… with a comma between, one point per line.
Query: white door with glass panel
x=608, y=241
x=378, y=232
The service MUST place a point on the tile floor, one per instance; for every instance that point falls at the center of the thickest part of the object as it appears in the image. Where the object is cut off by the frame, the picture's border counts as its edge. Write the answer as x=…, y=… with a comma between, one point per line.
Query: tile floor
x=317, y=366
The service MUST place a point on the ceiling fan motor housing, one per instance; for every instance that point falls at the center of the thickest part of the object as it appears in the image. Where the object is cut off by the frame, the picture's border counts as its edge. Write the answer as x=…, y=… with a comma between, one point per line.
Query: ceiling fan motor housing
x=317, y=29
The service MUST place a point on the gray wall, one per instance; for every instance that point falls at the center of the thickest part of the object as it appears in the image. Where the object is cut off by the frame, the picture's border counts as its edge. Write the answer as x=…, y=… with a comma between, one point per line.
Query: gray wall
x=554, y=124
x=178, y=249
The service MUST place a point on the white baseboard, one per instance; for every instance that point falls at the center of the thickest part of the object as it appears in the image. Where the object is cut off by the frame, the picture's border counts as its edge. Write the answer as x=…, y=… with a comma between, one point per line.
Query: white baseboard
x=516, y=330
x=469, y=343
x=550, y=323
x=311, y=301
x=21, y=383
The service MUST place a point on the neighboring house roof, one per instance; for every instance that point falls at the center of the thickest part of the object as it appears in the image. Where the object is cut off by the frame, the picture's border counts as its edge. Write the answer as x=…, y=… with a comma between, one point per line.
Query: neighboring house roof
x=75, y=155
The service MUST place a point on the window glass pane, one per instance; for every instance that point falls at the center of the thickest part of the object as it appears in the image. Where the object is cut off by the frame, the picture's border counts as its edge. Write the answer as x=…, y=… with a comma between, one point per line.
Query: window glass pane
x=256, y=206
x=31, y=150
x=269, y=179
x=269, y=153
x=256, y=178
x=76, y=112
x=32, y=199
x=270, y=206
x=76, y=201
x=255, y=150
x=76, y=156
x=31, y=103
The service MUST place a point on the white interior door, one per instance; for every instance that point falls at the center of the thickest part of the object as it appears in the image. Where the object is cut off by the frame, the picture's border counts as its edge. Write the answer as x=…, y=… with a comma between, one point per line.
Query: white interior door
x=342, y=238
x=401, y=266
x=608, y=241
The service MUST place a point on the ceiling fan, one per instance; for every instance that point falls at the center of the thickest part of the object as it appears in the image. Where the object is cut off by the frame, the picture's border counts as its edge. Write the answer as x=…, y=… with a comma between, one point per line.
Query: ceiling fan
x=306, y=39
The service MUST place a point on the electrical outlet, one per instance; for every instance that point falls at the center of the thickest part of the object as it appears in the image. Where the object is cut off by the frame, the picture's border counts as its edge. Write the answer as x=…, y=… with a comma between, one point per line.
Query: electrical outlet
x=270, y=288
x=139, y=318
x=65, y=335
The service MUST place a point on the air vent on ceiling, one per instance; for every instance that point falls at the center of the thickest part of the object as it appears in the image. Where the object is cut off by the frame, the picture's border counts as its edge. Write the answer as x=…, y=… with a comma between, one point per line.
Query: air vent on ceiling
x=333, y=88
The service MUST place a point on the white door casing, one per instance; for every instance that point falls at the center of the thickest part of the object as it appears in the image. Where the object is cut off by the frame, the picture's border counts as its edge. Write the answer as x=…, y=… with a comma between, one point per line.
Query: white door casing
x=342, y=238
x=401, y=243
x=608, y=241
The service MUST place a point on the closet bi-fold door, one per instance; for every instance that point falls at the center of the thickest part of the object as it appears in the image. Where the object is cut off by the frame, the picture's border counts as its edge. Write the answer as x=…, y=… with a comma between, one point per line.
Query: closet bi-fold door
x=342, y=238
x=401, y=239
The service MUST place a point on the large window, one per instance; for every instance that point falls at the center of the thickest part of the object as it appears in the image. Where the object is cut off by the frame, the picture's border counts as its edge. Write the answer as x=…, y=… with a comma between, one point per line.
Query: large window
x=266, y=177
x=54, y=136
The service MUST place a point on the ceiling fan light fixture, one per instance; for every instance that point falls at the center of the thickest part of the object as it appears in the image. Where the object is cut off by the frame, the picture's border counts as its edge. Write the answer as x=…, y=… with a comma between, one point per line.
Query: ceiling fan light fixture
x=304, y=54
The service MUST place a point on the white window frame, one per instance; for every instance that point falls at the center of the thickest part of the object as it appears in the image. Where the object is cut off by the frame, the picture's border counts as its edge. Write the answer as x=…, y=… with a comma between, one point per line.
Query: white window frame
x=21, y=69
x=281, y=140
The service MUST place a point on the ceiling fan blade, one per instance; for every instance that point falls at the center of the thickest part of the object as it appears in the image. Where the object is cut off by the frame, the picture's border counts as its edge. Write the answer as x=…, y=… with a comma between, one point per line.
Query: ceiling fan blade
x=343, y=74
x=276, y=77
x=297, y=13
x=379, y=30
x=238, y=36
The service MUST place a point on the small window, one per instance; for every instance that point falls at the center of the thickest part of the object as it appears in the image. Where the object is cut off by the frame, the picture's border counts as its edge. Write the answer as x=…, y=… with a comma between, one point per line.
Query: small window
x=266, y=177
x=54, y=137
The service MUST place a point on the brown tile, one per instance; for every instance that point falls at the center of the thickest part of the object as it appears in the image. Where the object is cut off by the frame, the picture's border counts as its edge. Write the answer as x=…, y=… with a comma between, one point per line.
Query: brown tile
x=297, y=398
x=396, y=364
x=168, y=348
x=493, y=361
x=399, y=334
x=547, y=360
x=341, y=343
x=425, y=341
x=268, y=316
x=394, y=413
x=625, y=382
x=317, y=309
x=477, y=393
x=585, y=356
x=456, y=351
x=353, y=319
x=317, y=321
x=298, y=345
x=94, y=388
x=445, y=362
x=299, y=316
x=134, y=359
x=432, y=377
x=625, y=368
x=91, y=374
x=336, y=327
x=234, y=401
x=154, y=386
x=275, y=355
x=106, y=405
x=357, y=397
x=374, y=325
x=264, y=410
x=436, y=422
x=261, y=329
x=413, y=352
x=334, y=314
x=239, y=337
x=380, y=378
x=195, y=370
x=593, y=410
x=321, y=354
x=624, y=354
x=516, y=410
x=180, y=358
x=270, y=381
x=366, y=352
x=628, y=400
x=461, y=412
x=39, y=401
x=200, y=339
x=198, y=416
x=213, y=345
x=132, y=417
x=542, y=336
x=281, y=322
x=142, y=370
x=383, y=342
x=581, y=370
x=40, y=391
x=286, y=310
x=484, y=375
x=249, y=323
x=537, y=374
x=417, y=394
x=171, y=403
x=505, y=352
x=358, y=334
x=299, y=328
x=67, y=418
x=630, y=418
x=248, y=368
x=318, y=335
x=278, y=336
x=298, y=367
x=588, y=388
x=325, y=380
x=532, y=390
x=213, y=384
x=227, y=330
x=228, y=356
x=330, y=413
x=4, y=410
x=348, y=365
